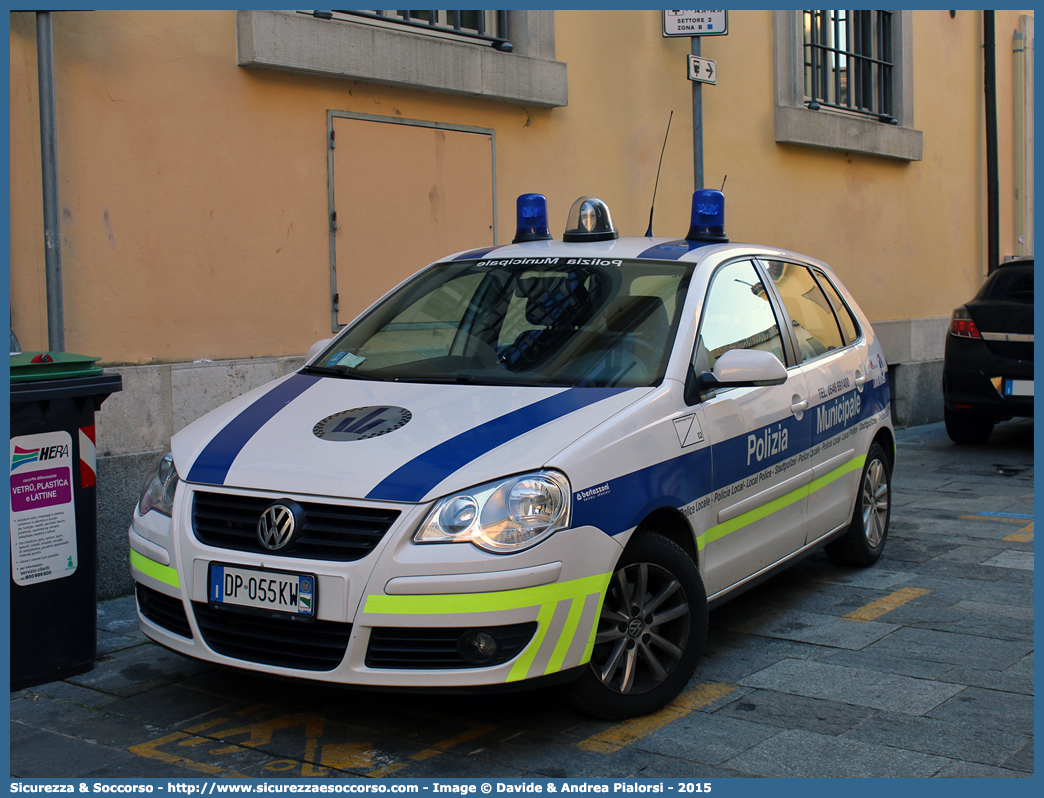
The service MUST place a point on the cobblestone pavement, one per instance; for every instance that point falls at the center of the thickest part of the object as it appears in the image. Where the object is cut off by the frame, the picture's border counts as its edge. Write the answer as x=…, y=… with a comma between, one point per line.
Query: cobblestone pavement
x=921, y=666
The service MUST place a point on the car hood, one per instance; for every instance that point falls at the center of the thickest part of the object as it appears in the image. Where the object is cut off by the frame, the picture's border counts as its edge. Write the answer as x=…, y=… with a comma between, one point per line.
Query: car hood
x=386, y=441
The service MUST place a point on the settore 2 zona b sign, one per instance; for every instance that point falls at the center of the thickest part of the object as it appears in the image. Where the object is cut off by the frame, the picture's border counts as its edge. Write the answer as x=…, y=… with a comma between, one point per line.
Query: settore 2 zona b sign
x=695, y=23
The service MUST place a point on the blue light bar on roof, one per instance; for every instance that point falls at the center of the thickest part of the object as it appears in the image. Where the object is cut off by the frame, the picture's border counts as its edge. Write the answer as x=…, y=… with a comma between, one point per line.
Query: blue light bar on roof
x=708, y=216
x=531, y=219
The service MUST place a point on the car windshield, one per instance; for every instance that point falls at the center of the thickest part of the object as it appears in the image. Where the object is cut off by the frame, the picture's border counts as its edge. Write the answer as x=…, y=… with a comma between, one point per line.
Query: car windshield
x=1010, y=283
x=520, y=321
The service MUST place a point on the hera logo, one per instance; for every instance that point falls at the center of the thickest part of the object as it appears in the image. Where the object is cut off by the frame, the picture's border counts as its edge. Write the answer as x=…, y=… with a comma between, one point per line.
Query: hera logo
x=23, y=457
x=361, y=423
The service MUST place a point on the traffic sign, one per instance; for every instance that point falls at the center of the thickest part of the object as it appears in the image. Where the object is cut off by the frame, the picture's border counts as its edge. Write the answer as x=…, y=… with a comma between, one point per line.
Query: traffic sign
x=695, y=23
x=703, y=70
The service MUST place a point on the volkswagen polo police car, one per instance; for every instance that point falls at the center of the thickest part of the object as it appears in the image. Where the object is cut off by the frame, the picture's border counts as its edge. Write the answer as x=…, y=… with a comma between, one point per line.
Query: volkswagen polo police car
x=533, y=462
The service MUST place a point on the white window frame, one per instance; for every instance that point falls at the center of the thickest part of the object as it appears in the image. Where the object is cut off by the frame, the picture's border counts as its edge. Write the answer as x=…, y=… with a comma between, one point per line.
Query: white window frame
x=796, y=124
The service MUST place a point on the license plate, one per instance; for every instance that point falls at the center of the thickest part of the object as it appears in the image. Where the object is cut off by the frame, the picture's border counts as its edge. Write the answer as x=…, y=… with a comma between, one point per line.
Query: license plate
x=1018, y=387
x=277, y=591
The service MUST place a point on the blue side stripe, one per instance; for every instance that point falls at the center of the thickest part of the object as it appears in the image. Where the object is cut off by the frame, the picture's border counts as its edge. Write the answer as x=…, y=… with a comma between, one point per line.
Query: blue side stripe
x=677, y=482
x=672, y=250
x=476, y=253
x=411, y=482
x=214, y=462
x=631, y=497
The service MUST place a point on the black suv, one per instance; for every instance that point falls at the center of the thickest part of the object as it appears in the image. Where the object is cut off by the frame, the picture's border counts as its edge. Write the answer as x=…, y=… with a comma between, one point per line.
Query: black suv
x=988, y=366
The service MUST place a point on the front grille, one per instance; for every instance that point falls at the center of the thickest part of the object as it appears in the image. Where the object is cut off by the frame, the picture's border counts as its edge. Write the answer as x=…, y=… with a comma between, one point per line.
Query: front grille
x=433, y=648
x=331, y=531
x=163, y=610
x=289, y=642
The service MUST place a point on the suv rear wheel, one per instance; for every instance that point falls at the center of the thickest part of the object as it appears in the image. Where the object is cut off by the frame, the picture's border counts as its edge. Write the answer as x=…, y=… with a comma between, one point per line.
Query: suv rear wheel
x=967, y=428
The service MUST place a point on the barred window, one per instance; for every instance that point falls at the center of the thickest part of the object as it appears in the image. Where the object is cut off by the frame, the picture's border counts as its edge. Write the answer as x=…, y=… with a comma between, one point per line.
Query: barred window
x=848, y=62
x=475, y=26
x=499, y=55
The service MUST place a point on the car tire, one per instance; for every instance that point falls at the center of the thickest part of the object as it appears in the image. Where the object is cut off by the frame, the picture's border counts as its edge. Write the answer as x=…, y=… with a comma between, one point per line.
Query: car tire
x=867, y=534
x=650, y=633
x=967, y=429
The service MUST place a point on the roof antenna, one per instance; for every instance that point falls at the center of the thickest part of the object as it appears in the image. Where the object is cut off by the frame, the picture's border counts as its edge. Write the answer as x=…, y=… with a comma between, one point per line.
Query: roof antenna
x=723, y=183
x=652, y=207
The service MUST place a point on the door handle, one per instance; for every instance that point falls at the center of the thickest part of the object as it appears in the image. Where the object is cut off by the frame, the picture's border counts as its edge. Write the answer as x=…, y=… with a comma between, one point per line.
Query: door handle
x=799, y=407
x=861, y=379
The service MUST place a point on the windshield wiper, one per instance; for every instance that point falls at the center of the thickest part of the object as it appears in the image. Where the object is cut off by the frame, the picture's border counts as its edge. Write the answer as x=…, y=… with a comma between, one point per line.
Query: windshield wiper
x=344, y=372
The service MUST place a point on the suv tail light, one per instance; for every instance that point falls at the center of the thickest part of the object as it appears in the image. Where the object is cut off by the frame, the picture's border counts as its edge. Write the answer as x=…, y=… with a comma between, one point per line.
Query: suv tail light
x=962, y=324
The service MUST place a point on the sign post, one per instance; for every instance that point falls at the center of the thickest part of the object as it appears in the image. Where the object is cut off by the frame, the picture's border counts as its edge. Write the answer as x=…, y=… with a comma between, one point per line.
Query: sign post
x=701, y=70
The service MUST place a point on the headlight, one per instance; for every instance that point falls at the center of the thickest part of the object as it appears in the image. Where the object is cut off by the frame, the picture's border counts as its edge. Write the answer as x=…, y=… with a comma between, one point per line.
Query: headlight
x=158, y=493
x=507, y=515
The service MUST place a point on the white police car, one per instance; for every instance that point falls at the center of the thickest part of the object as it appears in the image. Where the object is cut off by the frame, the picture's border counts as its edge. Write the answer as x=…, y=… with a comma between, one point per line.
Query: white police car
x=529, y=462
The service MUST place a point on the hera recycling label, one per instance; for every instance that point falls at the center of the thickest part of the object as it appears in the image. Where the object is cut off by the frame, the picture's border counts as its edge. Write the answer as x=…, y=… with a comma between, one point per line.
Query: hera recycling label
x=43, y=513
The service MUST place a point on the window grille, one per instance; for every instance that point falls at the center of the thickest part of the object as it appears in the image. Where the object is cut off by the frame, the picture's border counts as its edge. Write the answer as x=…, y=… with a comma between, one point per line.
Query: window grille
x=848, y=62
x=480, y=27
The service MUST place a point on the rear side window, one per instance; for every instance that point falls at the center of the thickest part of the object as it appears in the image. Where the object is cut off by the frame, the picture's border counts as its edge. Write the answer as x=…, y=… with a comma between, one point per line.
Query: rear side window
x=1010, y=283
x=849, y=329
x=811, y=314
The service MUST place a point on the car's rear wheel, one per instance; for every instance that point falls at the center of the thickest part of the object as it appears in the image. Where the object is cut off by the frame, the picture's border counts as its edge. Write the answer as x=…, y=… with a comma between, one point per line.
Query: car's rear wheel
x=865, y=539
x=967, y=428
x=650, y=633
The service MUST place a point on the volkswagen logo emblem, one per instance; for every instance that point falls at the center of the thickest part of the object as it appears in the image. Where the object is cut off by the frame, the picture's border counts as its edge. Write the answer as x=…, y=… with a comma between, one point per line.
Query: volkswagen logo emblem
x=278, y=524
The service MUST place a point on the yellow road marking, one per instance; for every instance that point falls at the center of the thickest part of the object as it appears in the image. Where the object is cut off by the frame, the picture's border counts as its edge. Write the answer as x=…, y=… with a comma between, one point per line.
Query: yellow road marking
x=463, y=737
x=623, y=734
x=1024, y=535
x=875, y=609
x=151, y=749
x=995, y=518
x=347, y=755
x=307, y=767
x=1019, y=538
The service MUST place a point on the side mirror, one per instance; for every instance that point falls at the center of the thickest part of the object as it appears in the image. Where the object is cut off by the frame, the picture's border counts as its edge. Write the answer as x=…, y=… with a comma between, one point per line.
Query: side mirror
x=316, y=348
x=743, y=368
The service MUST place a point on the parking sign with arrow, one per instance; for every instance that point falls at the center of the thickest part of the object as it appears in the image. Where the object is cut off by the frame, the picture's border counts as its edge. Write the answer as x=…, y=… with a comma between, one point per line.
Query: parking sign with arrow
x=703, y=70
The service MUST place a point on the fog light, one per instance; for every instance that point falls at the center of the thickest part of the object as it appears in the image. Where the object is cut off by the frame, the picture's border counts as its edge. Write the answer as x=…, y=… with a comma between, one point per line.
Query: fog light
x=477, y=646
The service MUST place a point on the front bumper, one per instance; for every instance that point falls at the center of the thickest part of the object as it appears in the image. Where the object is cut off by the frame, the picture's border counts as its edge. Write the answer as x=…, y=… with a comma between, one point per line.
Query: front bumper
x=393, y=618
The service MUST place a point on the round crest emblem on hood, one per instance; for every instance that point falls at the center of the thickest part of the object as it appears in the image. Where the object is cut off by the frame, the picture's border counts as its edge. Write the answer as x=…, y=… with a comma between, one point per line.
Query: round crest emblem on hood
x=361, y=423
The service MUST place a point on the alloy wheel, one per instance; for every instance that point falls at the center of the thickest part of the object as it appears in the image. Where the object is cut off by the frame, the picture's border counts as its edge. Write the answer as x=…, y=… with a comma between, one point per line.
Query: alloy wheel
x=643, y=629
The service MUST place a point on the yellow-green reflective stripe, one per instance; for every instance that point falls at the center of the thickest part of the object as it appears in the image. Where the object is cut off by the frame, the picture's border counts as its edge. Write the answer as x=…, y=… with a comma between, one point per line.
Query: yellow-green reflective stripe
x=740, y=521
x=455, y=603
x=152, y=568
x=837, y=473
x=597, y=615
x=565, y=639
x=521, y=666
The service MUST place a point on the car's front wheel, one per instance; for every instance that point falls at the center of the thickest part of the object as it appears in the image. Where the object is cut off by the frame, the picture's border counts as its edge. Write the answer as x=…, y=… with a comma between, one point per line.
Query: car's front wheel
x=650, y=633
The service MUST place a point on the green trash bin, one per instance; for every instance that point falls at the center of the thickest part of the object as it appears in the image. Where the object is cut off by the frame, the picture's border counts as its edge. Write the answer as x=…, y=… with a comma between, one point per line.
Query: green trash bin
x=54, y=552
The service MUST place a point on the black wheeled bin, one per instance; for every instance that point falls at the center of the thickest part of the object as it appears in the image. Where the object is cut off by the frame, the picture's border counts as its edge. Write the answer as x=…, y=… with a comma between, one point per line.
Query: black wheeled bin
x=54, y=552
